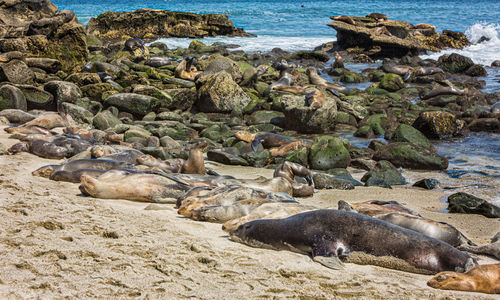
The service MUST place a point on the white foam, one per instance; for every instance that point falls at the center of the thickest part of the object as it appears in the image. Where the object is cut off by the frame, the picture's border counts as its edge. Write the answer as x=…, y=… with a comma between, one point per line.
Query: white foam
x=263, y=43
x=484, y=53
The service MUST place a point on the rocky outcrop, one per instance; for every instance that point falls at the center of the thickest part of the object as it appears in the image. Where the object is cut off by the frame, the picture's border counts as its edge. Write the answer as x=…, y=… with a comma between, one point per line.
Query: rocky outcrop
x=36, y=28
x=391, y=38
x=151, y=24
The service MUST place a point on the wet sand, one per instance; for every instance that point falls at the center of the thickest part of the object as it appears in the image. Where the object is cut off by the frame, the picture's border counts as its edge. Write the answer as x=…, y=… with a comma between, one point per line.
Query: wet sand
x=54, y=242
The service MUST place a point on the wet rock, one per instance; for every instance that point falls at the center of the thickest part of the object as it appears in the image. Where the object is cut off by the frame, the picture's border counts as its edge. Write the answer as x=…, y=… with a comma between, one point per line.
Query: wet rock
x=468, y=204
x=437, y=124
x=259, y=158
x=392, y=82
x=454, y=63
x=326, y=181
x=407, y=133
x=138, y=105
x=219, y=93
x=411, y=156
x=226, y=158
x=363, y=163
x=36, y=98
x=384, y=175
x=485, y=124
x=78, y=113
x=351, y=77
x=105, y=120
x=495, y=63
x=476, y=71
x=343, y=174
x=16, y=71
x=328, y=152
x=12, y=97
x=427, y=183
x=310, y=55
x=63, y=91
x=266, y=117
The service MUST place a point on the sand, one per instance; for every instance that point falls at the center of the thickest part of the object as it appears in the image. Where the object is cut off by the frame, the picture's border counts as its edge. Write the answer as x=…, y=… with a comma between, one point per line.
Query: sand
x=55, y=243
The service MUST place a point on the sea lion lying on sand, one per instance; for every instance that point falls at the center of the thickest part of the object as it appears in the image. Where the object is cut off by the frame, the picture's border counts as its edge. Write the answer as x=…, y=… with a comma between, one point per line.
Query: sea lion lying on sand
x=289, y=170
x=41, y=148
x=492, y=249
x=481, y=279
x=99, y=164
x=329, y=235
x=31, y=129
x=50, y=121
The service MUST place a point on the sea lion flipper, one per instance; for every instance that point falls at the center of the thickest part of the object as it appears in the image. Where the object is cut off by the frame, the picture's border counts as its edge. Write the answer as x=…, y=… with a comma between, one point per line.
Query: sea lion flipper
x=332, y=262
x=211, y=172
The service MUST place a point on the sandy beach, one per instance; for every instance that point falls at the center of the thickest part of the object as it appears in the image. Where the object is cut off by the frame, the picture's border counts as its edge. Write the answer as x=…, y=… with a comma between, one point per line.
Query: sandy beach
x=56, y=243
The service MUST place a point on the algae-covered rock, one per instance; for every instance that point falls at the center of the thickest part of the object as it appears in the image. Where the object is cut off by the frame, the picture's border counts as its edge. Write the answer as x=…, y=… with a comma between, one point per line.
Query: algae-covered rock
x=392, y=82
x=266, y=117
x=63, y=91
x=406, y=133
x=299, y=156
x=326, y=181
x=411, y=156
x=468, y=204
x=78, y=113
x=104, y=120
x=37, y=98
x=218, y=63
x=328, y=152
x=454, y=63
x=139, y=105
x=16, y=71
x=12, y=97
x=437, y=124
x=224, y=157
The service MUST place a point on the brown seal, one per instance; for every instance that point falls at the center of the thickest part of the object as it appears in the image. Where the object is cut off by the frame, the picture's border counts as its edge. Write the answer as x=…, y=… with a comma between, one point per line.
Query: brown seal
x=287, y=148
x=30, y=129
x=195, y=164
x=50, y=120
x=339, y=62
x=84, y=134
x=289, y=170
x=481, y=279
x=382, y=31
x=315, y=99
x=346, y=19
x=423, y=26
x=315, y=79
x=329, y=235
x=185, y=69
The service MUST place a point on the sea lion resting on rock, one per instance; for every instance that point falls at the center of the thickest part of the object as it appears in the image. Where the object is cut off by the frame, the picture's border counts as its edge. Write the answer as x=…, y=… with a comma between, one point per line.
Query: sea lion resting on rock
x=100, y=164
x=332, y=234
x=286, y=79
x=134, y=43
x=315, y=99
x=289, y=170
x=315, y=79
x=377, y=16
x=339, y=62
x=41, y=148
x=225, y=203
x=50, y=120
x=438, y=230
x=273, y=210
x=347, y=19
x=287, y=148
x=84, y=134
x=492, y=249
x=119, y=184
x=31, y=129
x=185, y=69
x=481, y=279
x=445, y=90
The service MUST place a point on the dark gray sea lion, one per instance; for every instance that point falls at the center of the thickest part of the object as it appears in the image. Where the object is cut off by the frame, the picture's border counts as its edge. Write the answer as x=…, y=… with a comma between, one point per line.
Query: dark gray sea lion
x=134, y=43
x=445, y=90
x=377, y=16
x=157, y=62
x=129, y=156
x=74, y=176
x=329, y=235
x=492, y=249
x=74, y=145
x=481, y=279
x=100, y=164
x=40, y=148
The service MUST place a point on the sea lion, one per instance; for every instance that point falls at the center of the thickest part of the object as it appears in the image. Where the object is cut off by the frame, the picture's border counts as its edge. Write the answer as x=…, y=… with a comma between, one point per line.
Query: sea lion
x=132, y=186
x=481, y=279
x=495, y=108
x=195, y=164
x=74, y=145
x=333, y=234
x=129, y=156
x=74, y=176
x=50, y=121
x=273, y=210
x=287, y=148
x=169, y=165
x=376, y=207
x=267, y=139
x=339, y=62
x=315, y=79
x=286, y=79
x=100, y=164
x=158, y=61
x=377, y=16
x=17, y=116
x=315, y=99
x=428, y=71
x=423, y=26
x=253, y=75
x=225, y=203
x=185, y=70
x=289, y=170
x=134, y=43
x=445, y=90
x=30, y=129
x=41, y=148
x=346, y=19
x=492, y=249
x=401, y=70
x=84, y=134
x=291, y=89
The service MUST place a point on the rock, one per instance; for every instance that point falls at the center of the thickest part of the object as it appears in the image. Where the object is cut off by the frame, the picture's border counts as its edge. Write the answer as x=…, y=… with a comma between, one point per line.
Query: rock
x=82, y=79
x=219, y=93
x=427, y=183
x=182, y=99
x=392, y=82
x=468, y=204
x=139, y=105
x=180, y=82
x=217, y=63
x=351, y=77
x=392, y=38
x=411, y=156
x=437, y=124
x=226, y=158
x=258, y=159
x=217, y=133
x=136, y=132
x=3, y=149
x=49, y=65
x=476, y=71
x=363, y=163
x=63, y=91
x=153, y=24
x=343, y=174
x=36, y=98
x=96, y=91
x=266, y=117
x=4, y=121
x=310, y=55
x=495, y=63
x=105, y=120
x=79, y=114
x=12, y=97
x=169, y=143
x=175, y=130
x=485, y=124
x=454, y=63
x=325, y=181
x=384, y=175
x=16, y=71
x=299, y=156
x=407, y=133
x=328, y=152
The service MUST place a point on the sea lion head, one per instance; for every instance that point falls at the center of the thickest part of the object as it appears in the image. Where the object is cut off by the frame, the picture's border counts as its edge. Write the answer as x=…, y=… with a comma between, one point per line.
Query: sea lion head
x=451, y=281
x=256, y=234
x=19, y=147
x=44, y=171
x=200, y=145
x=245, y=136
x=88, y=186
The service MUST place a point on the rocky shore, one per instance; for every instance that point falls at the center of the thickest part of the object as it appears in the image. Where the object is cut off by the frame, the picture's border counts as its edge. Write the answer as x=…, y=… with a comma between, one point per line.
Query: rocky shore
x=248, y=109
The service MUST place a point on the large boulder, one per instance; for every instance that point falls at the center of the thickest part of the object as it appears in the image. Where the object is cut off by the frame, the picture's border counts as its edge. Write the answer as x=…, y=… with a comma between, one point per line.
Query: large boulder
x=392, y=82
x=217, y=63
x=328, y=152
x=63, y=91
x=155, y=23
x=407, y=133
x=16, y=71
x=12, y=97
x=136, y=104
x=455, y=63
x=391, y=38
x=37, y=98
x=438, y=124
x=219, y=93
x=411, y=156
x=384, y=175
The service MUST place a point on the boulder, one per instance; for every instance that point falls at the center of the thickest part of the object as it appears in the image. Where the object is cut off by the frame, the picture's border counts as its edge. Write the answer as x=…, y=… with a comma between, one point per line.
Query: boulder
x=411, y=156
x=12, y=97
x=427, y=183
x=82, y=79
x=105, y=120
x=392, y=82
x=37, y=98
x=221, y=156
x=328, y=152
x=217, y=63
x=266, y=117
x=136, y=104
x=455, y=63
x=468, y=204
x=63, y=91
x=16, y=71
x=407, y=133
x=219, y=93
x=326, y=181
x=49, y=65
x=384, y=175
x=437, y=124
x=78, y=113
